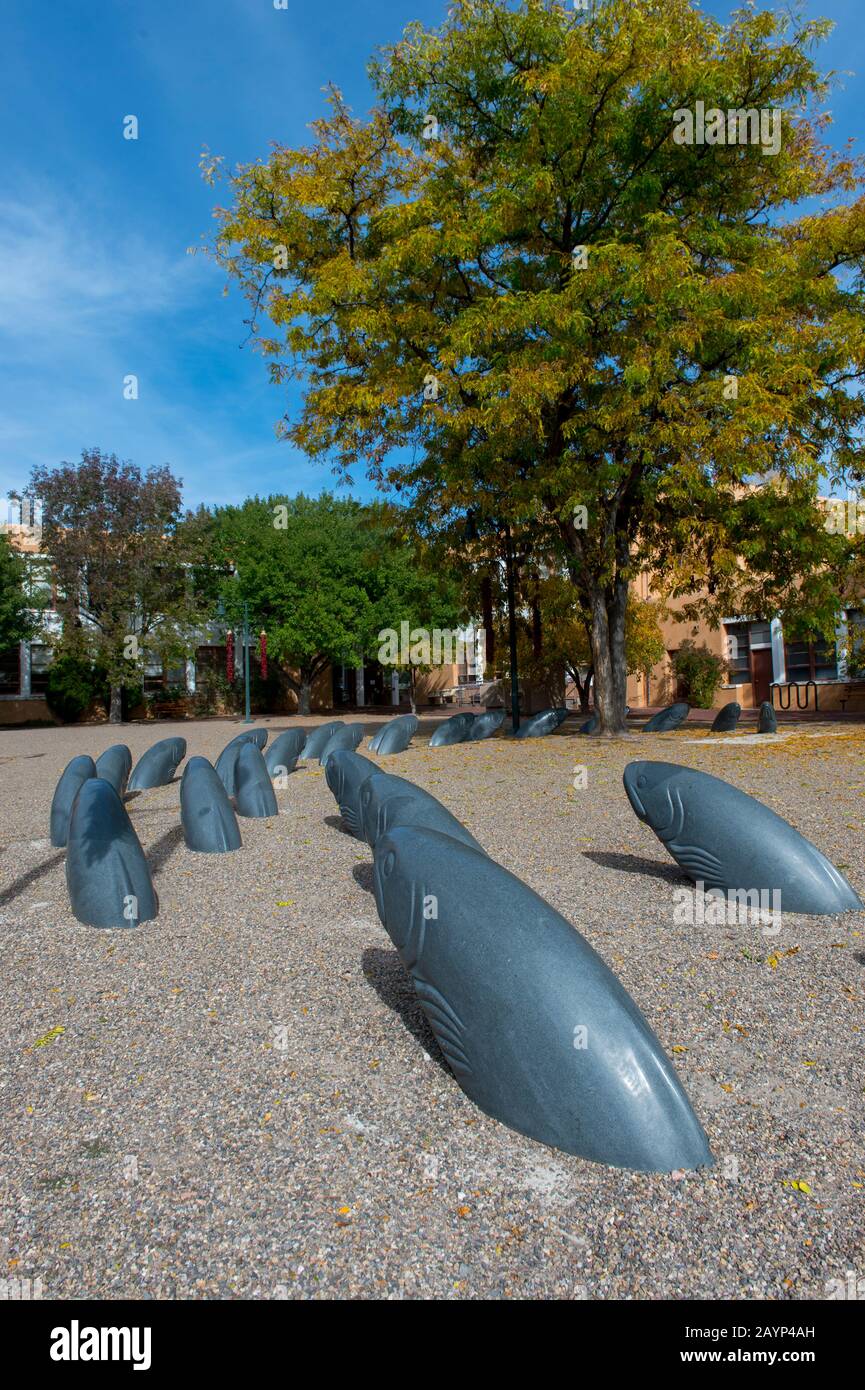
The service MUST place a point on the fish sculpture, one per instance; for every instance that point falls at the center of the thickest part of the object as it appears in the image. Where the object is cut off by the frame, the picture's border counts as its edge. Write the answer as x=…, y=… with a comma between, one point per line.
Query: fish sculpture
x=396, y=735
x=206, y=814
x=345, y=773
x=486, y=725
x=226, y=763
x=457, y=729
x=592, y=724
x=282, y=755
x=667, y=719
x=727, y=718
x=253, y=790
x=156, y=767
x=317, y=740
x=386, y=801
x=75, y=773
x=107, y=874
x=767, y=722
x=546, y=722
x=114, y=766
x=536, y=1029
x=732, y=843
x=349, y=736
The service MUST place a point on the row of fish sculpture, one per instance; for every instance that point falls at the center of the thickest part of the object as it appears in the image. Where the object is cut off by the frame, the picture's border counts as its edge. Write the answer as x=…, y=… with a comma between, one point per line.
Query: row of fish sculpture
x=107, y=874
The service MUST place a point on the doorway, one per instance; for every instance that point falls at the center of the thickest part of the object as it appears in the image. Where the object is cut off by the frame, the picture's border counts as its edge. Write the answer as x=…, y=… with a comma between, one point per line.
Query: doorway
x=761, y=674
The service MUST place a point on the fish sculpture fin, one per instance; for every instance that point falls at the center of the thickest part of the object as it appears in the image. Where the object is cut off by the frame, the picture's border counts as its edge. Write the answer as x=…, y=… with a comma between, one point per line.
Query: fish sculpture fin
x=446, y=1025
x=698, y=863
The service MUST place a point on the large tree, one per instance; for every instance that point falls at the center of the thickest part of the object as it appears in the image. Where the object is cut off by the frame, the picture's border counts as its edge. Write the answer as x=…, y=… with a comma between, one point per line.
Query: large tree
x=114, y=536
x=517, y=267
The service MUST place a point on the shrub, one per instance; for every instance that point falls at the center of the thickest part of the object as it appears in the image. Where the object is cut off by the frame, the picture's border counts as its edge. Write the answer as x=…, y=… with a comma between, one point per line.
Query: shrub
x=699, y=672
x=73, y=685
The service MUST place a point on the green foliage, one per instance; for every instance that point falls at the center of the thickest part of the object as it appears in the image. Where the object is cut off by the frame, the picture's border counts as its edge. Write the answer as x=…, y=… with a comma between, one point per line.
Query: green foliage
x=700, y=673
x=73, y=685
x=16, y=623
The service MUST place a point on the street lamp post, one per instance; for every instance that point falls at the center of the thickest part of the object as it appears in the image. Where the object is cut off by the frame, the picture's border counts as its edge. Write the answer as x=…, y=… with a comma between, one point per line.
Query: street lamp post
x=248, y=716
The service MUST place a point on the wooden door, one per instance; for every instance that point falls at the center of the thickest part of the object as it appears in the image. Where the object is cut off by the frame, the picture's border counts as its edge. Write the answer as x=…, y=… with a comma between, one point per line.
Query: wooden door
x=761, y=674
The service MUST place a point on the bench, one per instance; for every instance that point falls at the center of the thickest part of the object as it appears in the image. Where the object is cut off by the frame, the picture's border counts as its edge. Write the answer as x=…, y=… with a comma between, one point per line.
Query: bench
x=851, y=689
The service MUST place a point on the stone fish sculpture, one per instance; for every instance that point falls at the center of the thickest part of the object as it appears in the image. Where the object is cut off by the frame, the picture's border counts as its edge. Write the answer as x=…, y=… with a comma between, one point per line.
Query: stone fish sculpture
x=226, y=763
x=75, y=773
x=317, y=740
x=396, y=735
x=537, y=1030
x=486, y=724
x=387, y=801
x=391, y=723
x=667, y=719
x=349, y=736
x=282, y=755
x=592, y=724
x=731, y=842
x=457, y=729
x=345, y=773
x=206, y=814
x=107, y=875
x=253, y=790
x=540, y=724
x=768, y=720
x=727, y=718
x=156, y=767
x=114, y=766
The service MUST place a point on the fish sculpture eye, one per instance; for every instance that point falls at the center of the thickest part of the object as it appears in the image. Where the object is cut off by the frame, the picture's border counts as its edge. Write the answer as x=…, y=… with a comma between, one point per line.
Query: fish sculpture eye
x=641, y=780
x=388, y=864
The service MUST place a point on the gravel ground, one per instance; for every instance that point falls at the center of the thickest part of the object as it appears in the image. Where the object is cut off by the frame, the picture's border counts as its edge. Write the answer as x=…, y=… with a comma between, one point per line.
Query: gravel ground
x=242, y=1098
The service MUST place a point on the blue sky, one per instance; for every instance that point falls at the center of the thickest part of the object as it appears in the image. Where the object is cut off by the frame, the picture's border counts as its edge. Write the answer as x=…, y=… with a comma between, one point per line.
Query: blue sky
x=95, y=279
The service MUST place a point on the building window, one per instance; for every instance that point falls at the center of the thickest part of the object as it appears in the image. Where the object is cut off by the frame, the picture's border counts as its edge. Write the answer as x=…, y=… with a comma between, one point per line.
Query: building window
x=41, y=657
x=10, y=671
x=812, y=661
x=738, y=655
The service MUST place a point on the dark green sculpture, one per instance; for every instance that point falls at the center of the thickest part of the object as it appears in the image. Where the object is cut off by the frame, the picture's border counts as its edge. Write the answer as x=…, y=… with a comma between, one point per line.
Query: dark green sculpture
x=349, y=736
x=114, y=766
x=253, y=790
x=538, y=725
x=345, y=773
x=486, y=725
x=732, y=843
x=206, y=814
x=386, y=801
x=592, y=724
x=727, y=718
x=457, y=729
x=227, y=761
x=536, y=1029
x=78, y=771
x=317, y=740
x=282, y=755
x=107, y=875
x=156, y=767
x=396, y=735
x=668, y=719
x=768, y=719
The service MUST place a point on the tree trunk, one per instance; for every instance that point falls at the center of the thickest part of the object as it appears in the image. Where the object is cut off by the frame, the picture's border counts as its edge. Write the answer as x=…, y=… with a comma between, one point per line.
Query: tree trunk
x=304, y=695
x=489, y=631
x=412, y=688
x=608, y=656
x=115, y=709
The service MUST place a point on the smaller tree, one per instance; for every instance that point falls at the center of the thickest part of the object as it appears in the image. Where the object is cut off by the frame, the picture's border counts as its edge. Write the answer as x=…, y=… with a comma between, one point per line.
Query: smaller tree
x=16, y=618
x=114, y=536
x=699, y=672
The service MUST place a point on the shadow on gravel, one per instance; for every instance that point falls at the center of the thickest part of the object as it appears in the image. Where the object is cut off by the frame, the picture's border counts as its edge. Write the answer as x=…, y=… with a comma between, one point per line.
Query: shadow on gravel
x=162, y=849
x=337, y=823
x=19, y=885
x=633, y=864
x=393, y=985
x=362, y=875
